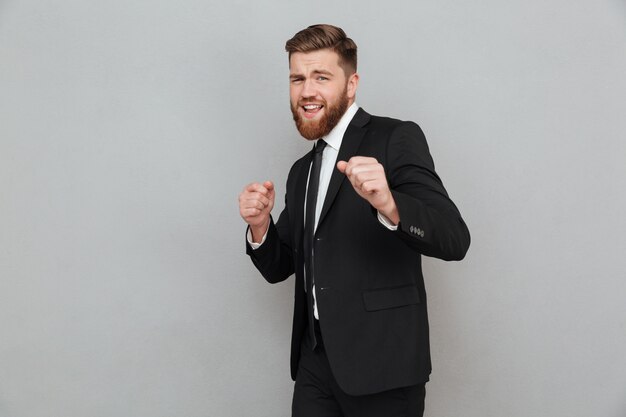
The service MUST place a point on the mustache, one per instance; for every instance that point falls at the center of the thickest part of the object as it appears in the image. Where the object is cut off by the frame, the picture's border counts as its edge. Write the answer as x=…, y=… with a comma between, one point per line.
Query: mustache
x=304, y=102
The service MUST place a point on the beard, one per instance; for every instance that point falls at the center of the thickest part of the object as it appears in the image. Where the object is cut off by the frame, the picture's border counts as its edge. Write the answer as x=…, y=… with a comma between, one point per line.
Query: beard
x=315, y=129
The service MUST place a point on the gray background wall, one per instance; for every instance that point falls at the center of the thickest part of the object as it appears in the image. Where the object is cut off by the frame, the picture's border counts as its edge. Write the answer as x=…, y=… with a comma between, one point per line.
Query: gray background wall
x=128, y=128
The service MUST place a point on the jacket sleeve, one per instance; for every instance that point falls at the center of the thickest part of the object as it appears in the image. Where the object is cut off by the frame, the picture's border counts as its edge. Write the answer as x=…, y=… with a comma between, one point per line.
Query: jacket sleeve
x=429, y=221
x=274, y=258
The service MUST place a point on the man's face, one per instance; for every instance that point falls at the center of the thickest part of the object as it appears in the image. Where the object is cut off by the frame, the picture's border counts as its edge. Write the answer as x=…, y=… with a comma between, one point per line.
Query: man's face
x=319, y=90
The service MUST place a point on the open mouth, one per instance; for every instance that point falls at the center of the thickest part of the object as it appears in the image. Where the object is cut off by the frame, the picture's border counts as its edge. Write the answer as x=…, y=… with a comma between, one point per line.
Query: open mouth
x=310, y=110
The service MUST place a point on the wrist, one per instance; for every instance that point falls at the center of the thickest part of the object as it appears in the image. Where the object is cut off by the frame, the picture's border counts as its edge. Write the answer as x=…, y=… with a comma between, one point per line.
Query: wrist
x=258, y=232
x=390, y=211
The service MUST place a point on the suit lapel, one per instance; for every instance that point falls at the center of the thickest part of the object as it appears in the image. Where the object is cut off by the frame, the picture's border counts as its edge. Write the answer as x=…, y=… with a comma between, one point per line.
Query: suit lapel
x=349, y=146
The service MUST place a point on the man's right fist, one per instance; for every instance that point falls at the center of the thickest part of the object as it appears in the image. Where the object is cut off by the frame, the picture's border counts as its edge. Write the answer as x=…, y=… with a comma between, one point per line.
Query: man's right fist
x=255, y=205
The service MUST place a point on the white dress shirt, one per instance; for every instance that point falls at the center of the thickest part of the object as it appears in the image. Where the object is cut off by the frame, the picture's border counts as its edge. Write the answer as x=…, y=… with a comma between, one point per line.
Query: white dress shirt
x=329, y=160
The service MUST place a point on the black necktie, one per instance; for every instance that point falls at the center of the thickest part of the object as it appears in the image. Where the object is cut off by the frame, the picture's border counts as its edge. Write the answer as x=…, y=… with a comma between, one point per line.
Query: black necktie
x=309, y=228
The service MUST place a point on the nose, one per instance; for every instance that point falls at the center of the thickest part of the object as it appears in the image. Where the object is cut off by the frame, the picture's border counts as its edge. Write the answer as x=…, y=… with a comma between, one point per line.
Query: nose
x=308, y=89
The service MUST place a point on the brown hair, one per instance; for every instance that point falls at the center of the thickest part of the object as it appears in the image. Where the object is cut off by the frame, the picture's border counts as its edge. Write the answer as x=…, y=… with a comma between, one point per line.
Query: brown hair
x=318, y=37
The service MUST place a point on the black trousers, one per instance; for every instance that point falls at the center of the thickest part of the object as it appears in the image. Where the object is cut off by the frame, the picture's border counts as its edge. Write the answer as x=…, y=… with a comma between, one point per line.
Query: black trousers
x=317, y=394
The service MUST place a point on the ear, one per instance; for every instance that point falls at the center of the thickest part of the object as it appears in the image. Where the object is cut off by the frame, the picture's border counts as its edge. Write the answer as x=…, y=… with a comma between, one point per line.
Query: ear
x=353, y=83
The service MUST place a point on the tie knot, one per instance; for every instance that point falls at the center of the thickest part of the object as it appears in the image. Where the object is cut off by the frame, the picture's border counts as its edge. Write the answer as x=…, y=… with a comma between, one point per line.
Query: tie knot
x=319, y=147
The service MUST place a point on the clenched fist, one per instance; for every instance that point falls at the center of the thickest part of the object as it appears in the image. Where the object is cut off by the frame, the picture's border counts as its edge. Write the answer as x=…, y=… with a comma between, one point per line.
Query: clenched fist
x=255, y=205
x=368, y=179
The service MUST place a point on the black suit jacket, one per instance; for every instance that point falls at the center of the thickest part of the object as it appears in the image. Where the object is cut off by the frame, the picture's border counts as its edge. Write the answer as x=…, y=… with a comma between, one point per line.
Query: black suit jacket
x=369, y=284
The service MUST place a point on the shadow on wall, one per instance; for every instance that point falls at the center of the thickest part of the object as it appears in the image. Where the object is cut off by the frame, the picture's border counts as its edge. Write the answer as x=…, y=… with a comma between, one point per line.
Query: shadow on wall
x=622, y=5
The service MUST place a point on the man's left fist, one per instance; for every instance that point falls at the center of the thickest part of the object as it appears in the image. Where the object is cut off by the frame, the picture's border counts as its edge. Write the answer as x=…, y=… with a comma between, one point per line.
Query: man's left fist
x=367, y=176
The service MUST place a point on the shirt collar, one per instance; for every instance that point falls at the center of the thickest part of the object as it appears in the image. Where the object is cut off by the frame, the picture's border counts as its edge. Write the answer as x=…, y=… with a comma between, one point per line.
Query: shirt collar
x=334, y=138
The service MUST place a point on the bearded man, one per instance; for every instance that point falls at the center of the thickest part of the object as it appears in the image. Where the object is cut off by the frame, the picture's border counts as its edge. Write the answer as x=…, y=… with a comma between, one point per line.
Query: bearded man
x=360, y=210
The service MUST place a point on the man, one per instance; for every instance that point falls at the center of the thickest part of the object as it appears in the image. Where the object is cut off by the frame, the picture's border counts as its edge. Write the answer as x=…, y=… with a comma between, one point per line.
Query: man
x=360, y=210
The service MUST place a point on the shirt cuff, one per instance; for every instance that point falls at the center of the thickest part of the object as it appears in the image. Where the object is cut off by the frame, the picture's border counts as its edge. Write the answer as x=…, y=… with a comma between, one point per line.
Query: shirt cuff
x=252, y=244
x=381, y=218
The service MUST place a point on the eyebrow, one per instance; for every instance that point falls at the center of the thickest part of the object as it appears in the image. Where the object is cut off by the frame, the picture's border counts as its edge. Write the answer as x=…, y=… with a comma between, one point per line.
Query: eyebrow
x=323, y=72
x=315, y=72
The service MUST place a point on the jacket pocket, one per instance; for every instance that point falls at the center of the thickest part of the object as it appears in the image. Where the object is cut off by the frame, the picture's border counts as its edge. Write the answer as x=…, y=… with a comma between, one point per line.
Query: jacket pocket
x=390, y=297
